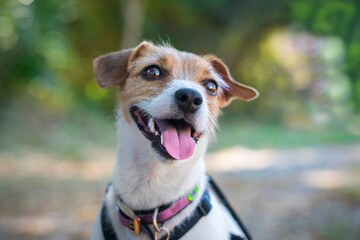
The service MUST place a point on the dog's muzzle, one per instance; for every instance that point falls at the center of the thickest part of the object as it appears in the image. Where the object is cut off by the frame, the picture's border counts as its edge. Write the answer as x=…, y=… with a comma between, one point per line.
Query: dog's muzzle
x=188, y=100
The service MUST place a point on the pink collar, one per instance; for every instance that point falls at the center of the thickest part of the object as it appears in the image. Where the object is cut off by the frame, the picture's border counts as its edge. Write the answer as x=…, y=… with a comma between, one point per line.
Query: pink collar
x=135, y=220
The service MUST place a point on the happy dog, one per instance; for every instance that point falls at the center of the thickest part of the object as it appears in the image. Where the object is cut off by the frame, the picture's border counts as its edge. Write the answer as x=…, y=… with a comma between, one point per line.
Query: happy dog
x=170, y=101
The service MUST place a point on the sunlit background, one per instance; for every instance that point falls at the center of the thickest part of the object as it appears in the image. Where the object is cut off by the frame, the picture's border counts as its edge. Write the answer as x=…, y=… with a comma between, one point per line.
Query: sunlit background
x=289, y=161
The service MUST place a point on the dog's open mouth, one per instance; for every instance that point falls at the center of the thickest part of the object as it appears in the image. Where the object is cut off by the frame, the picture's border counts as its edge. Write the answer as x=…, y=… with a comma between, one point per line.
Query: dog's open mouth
x=172, y=138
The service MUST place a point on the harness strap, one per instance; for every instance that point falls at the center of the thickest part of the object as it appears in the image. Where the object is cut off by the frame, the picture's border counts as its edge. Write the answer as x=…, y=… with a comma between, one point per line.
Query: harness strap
x=201, y=210
x=224, y=201
x=106, y=225
x=235, y=237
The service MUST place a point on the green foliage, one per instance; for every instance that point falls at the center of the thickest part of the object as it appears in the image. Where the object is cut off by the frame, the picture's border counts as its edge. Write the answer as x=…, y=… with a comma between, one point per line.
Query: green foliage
x=47, y=48
x=286, y=49
x=335, y=18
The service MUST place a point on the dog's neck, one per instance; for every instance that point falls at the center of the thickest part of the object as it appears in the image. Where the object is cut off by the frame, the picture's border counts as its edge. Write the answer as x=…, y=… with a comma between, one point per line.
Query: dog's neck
x=143, y=180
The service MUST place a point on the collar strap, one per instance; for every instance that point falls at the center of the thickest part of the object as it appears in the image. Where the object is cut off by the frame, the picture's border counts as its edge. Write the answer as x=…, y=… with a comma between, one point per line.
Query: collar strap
x=136, y=220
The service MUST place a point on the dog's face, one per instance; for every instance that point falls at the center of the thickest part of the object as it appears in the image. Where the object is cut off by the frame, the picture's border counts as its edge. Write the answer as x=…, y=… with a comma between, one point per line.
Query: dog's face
x=173, y=97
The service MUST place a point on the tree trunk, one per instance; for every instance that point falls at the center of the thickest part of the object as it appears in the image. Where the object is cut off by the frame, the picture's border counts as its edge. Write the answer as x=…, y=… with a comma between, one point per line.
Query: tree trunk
x=133, y=13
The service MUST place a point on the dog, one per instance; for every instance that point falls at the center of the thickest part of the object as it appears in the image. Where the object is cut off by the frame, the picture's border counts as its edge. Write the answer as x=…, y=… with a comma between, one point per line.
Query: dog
x=169, y=104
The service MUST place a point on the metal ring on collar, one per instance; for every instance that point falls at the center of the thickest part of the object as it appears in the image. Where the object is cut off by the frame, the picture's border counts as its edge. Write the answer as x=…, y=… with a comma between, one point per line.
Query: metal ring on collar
x=157, y=229
x=162, y=229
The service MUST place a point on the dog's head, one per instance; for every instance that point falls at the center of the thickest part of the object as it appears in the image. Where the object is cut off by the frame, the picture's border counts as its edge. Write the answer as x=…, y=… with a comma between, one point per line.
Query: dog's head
x=173, y=97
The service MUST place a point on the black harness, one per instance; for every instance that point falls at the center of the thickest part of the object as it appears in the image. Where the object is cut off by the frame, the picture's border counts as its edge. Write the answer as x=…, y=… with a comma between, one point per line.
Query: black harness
x=201, y=210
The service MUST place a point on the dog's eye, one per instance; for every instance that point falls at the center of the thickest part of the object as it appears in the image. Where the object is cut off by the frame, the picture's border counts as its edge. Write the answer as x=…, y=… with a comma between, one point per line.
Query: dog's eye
x=211, y=86
x=152, y=72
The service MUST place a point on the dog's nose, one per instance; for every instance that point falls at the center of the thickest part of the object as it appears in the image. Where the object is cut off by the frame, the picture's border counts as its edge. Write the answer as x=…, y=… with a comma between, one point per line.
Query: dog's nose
x=188, y=100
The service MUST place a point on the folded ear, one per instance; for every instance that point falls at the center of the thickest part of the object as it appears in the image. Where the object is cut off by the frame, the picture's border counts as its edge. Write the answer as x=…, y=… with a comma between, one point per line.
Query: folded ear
x=234, y=89
x=112, y=69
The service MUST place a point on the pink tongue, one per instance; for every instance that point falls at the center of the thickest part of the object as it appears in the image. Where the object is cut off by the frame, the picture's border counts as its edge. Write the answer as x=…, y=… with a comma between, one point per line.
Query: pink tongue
x=177, y=140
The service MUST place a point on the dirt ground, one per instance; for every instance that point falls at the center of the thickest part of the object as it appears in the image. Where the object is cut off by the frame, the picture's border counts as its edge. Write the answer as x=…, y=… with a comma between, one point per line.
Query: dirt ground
x=295, y=194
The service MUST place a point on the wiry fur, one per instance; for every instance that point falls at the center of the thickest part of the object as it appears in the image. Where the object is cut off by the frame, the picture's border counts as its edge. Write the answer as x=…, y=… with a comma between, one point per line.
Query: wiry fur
x=142, y=177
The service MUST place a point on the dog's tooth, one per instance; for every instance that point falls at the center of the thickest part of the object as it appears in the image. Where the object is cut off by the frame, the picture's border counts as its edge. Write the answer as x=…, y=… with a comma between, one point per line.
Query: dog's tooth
x=151, y=125
x=156, y=133
x=162, y=139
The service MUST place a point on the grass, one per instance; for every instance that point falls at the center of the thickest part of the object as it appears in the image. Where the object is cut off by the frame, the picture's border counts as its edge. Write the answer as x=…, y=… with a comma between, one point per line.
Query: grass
x=269, y=135
x=67, y=134
x=338, y=231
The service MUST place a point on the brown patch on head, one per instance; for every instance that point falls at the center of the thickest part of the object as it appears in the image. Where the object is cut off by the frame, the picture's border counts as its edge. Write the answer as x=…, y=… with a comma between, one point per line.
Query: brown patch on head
x=111, y=69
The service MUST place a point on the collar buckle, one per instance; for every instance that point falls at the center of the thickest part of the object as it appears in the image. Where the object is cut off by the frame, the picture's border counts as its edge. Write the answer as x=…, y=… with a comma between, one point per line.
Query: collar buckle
x=133, y=226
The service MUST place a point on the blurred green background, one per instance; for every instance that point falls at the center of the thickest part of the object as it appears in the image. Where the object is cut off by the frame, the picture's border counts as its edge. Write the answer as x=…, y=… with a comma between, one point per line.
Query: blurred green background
x=303, y=56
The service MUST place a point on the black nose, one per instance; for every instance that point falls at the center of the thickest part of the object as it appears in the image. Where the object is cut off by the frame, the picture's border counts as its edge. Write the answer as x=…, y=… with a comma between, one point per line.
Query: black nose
x=188, y=100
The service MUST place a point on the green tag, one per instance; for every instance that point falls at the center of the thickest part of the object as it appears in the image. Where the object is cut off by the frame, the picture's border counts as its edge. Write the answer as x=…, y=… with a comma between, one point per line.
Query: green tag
x=193, y=193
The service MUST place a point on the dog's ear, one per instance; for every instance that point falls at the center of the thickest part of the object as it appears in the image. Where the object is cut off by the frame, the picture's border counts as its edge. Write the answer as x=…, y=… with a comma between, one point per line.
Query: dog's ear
x=112, y=69
x=234, y=89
